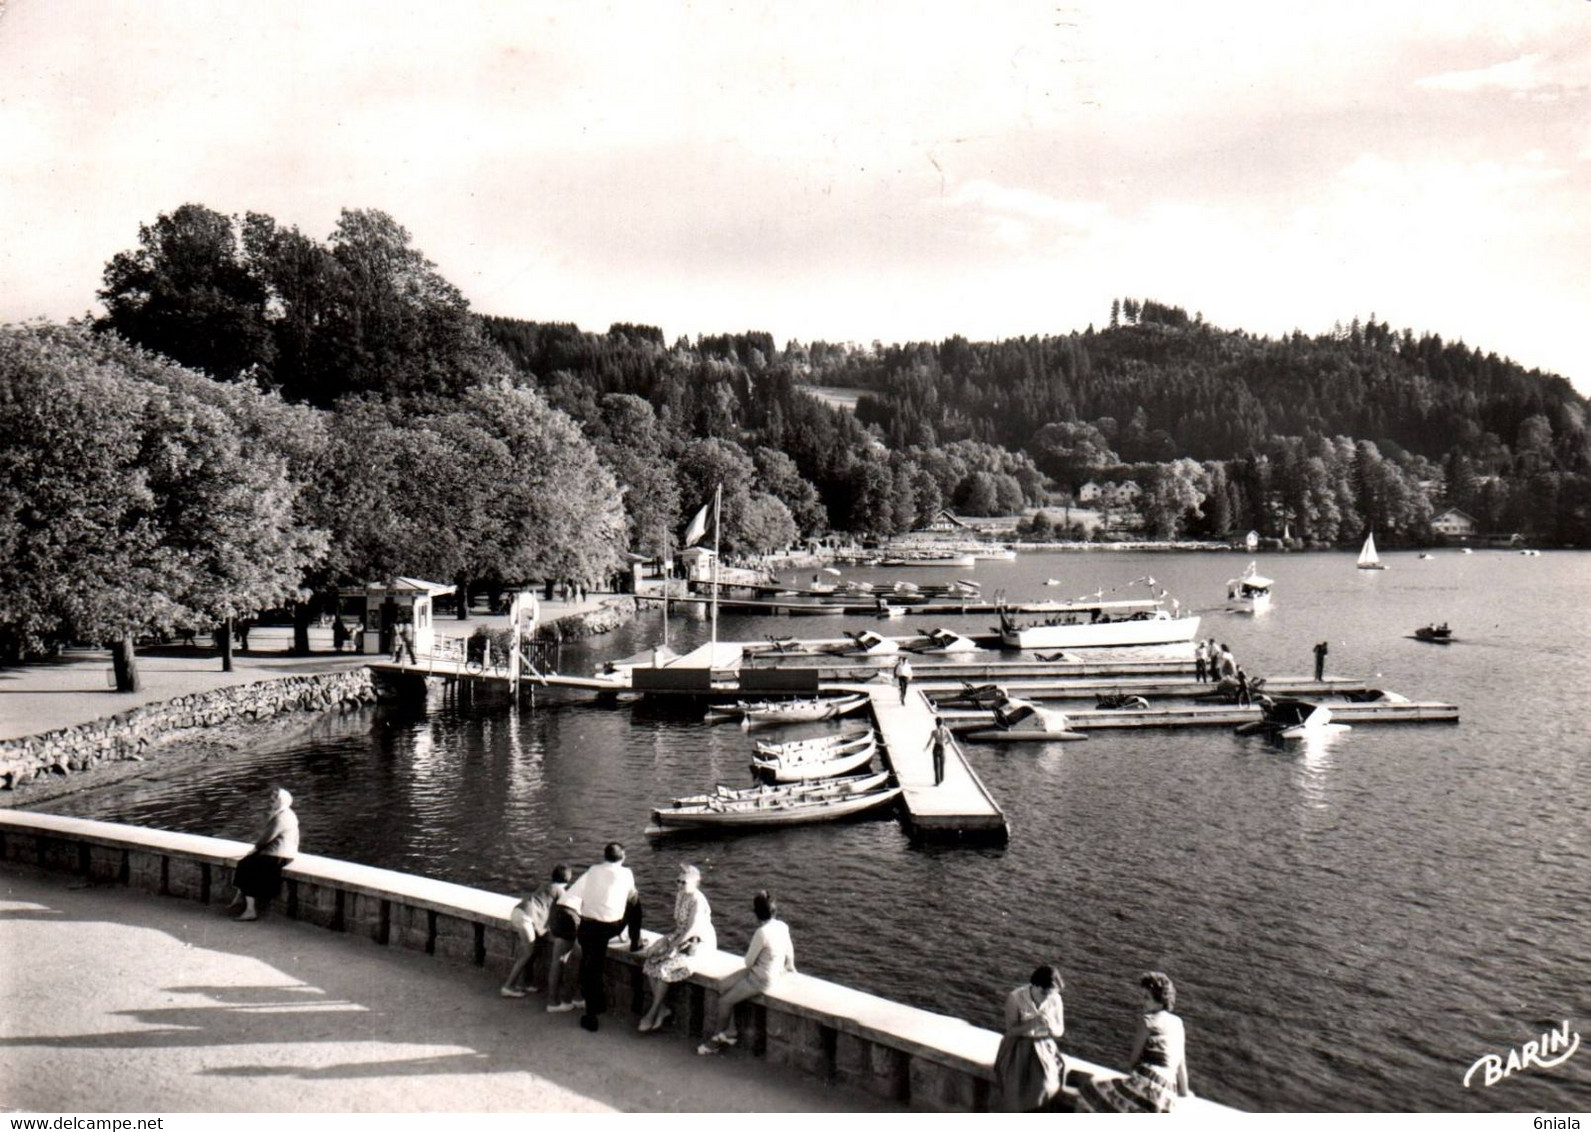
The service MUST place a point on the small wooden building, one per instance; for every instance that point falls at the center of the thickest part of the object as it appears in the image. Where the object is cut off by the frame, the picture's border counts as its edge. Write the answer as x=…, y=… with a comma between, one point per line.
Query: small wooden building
x=382, y=607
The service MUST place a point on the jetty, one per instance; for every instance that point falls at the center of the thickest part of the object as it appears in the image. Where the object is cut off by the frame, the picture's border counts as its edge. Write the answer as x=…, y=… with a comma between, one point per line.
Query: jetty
x=1218, y=715
x=961, y=805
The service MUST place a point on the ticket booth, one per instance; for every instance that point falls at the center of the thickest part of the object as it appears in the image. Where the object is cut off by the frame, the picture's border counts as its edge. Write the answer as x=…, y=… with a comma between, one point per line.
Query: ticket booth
x=396, y=602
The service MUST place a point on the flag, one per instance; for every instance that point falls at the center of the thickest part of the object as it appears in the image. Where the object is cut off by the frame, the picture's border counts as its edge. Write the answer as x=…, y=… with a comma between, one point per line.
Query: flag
x=698, y=527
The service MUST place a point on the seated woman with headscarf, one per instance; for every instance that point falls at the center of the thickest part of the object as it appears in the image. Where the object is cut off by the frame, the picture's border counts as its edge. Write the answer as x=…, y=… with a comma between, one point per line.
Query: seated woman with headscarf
x=259, y=875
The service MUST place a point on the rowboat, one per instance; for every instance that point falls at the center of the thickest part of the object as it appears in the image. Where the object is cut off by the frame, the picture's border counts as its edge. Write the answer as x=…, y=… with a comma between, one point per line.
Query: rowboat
x=790, y=711
x=806, y=755
x=778, y=770
x=822, y=788
x=816, y=743
x=772, y=811
x=1020, y=721
x=1292, y=719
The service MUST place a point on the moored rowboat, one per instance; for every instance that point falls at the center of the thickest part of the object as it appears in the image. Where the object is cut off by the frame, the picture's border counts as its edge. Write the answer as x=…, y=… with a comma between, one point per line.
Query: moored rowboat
x=840, y=739
x=821, y=788
x=769, y=811
x=804, y=770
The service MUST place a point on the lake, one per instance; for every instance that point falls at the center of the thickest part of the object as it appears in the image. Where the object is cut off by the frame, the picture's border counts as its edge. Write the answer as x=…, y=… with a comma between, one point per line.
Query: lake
x=1350, y=926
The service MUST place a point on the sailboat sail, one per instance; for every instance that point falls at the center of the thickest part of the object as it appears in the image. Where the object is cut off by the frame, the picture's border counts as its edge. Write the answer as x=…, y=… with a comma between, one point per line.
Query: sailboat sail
x=1368, y=558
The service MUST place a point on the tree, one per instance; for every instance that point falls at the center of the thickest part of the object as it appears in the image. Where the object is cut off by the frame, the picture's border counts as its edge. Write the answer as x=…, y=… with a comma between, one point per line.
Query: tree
x=133, y=501
x=188, y=292
x=778, y=475
x=708, y=464
x=767, y=524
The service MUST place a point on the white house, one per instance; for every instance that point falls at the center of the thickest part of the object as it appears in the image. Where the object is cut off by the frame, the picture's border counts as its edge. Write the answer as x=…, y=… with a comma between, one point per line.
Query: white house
x=1454, y=524
x=1089, y=492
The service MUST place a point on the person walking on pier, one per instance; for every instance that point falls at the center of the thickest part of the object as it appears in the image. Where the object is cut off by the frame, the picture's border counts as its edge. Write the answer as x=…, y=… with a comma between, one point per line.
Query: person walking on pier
x=770, y=956
x=903, y=677
x=259, y=875
x=1029, y=1066
x=1321, y=649
x=1198, y=662
x=609, y=905
x=1159, y=1073
x=670, y=960
x=937, y=742
x=530, y=918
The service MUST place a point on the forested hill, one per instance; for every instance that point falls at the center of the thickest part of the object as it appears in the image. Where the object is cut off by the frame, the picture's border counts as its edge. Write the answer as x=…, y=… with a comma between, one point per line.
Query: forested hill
x=1161, y=385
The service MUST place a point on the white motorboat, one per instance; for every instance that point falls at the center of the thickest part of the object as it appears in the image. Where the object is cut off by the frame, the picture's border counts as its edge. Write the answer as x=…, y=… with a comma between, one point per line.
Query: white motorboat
x=1022, y=721
x=943, y=641
x=1368, y=558
x=1250, y=593
x=805, y=770
x=1093, y=624
x=769, y=811
x=869, y=643
x=1292, y=719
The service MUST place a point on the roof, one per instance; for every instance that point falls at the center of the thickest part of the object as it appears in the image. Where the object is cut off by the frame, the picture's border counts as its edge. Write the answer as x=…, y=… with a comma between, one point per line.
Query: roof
x=400, y=585
x=1456, y=513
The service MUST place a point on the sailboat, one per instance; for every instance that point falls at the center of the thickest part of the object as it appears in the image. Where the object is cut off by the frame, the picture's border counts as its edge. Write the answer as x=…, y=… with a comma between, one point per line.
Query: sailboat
x=1368, y=558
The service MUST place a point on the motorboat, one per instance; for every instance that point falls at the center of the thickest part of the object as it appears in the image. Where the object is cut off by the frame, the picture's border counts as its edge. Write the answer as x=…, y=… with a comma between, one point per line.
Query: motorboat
x=1434, y=633
x=791, y=711
x=1022, y=721
x=822, y=788
x=1052, y=581
x=769, y=811
x=1531, y=553
x=869, y=643
x=1094, y=624
x=928, y=559
x=974, y=695
x=1249, y=593
x=1466, y=550
x=830, y=742
x=1292, y=719
x=943, y=641
x=807, y=769
x=1368, y=558
x=1424, y=554
x=885, y=609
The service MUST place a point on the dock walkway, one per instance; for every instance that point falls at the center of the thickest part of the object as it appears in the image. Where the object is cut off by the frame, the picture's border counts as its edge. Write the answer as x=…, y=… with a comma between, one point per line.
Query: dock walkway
x=961, y=804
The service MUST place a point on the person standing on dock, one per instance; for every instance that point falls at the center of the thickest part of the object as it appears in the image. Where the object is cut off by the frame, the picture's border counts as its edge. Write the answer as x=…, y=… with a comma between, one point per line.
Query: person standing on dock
x=609, y=905
x=1228, y=661
x=903, y=677
x=1321, y=649
x=938, y=741
x=1199, y=654
x=1242, y=688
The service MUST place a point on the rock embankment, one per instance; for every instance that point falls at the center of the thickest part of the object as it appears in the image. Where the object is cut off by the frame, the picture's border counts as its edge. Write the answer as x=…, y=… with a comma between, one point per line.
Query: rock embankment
x=131, y=734
x=613, y=612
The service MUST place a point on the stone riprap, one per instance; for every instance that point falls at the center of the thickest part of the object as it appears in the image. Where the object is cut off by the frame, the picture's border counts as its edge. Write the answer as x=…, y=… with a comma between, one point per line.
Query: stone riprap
x=132, y=734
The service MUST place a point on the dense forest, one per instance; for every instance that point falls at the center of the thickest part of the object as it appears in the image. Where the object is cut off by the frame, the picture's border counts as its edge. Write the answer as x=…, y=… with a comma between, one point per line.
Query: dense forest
x=261, y=415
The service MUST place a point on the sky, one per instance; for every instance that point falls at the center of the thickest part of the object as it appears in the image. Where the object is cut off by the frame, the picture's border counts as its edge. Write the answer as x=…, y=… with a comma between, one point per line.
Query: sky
x=843, y=171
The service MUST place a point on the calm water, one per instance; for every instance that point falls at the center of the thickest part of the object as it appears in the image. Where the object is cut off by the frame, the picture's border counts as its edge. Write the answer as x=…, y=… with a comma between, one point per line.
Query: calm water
x=1349, y=927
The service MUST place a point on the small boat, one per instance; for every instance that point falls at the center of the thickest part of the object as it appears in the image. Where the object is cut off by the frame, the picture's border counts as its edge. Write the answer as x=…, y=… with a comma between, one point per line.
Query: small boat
x=1093, y=624
x=1423, y=554
x=885, y=609
x=1531, y=553
x=974, y=695
x=836, y=741
x=1120, y=701
x=805, y=770
x=823, y=788
x=1052, y=581
x=944, y=641
x=1368, y=558
x=817, y=754
x=869, y=643
x=1250, y=593
x=814, y=610
x=955, y=561
x=1292, y=719
x=1466, y=550
x=791, y=711
x=1436, y=634
x=770, y=811
x=1020, y=721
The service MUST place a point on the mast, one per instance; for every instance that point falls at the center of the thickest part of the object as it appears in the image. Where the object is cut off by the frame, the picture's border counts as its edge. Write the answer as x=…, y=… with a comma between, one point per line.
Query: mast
x=718, y=530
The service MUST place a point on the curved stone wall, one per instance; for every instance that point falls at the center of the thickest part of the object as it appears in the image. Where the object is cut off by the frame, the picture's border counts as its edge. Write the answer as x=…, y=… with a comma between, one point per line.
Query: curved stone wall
x=129, y=734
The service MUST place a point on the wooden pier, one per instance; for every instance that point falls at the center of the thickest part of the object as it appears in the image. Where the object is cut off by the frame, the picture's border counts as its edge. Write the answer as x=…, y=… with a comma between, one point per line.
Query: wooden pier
x=961, y=806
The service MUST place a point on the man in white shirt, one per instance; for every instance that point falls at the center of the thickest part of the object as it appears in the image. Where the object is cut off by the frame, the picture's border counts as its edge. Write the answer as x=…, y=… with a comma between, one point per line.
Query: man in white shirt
x=609, y=904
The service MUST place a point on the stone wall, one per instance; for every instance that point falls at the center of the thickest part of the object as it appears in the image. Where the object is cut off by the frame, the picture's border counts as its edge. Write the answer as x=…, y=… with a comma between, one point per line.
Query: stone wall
x=914, y=1057
x=129, y=734
x=613, y=612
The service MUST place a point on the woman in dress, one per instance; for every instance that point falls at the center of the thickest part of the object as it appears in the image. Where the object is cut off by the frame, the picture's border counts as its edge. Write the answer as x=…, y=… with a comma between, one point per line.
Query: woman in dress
x=259, y=875
x=769, y=957
x=1029, y=1065
x=1159, y=1072
x=668, y=960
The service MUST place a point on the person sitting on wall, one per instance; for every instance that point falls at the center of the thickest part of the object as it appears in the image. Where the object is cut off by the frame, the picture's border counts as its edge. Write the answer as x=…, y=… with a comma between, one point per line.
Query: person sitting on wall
x=258, y=876
x=770, y=956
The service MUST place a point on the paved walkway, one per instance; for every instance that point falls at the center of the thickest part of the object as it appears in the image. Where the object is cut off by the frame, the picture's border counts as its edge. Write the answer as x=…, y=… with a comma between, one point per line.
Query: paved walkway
x=138, y=1004
x=78, y=687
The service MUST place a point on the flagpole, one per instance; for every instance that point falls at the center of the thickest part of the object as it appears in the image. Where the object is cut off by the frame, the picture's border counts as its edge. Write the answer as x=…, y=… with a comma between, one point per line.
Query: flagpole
x=718, y=530
x=667, y=560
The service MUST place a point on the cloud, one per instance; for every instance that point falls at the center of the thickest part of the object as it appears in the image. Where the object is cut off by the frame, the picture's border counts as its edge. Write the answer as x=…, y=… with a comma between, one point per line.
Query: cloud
x=1535, y=76
x=1021, y=217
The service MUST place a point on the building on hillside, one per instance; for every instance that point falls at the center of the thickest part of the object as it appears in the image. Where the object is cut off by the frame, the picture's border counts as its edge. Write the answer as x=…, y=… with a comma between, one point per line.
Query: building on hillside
x=1454, y=523
x=945, y=523
x=1090, y=492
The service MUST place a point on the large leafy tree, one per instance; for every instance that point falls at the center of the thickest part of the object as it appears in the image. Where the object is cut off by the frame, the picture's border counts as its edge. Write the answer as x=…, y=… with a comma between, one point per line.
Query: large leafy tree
x=139, y=496
x=188, y=292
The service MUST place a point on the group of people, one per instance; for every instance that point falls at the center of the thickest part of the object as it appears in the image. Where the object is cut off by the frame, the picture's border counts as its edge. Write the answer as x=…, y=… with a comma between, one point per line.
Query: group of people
x=1215, y=663
x=1032, y=1071
x=575, y=920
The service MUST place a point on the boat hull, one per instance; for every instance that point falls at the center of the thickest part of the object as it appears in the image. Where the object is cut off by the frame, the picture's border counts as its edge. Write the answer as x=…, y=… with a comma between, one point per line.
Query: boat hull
x=776, y=771
x=793, y=813
x=1104, y=634
x=998, y=735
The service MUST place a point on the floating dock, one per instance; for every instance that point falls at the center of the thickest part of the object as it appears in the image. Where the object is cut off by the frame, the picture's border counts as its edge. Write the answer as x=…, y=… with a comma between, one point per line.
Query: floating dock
x=961, y=806
x=1218, y=715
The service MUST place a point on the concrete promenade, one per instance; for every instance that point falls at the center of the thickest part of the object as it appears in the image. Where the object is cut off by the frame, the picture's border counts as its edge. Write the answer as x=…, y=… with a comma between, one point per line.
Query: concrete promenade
x=132, y=1004
x=76, y=688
